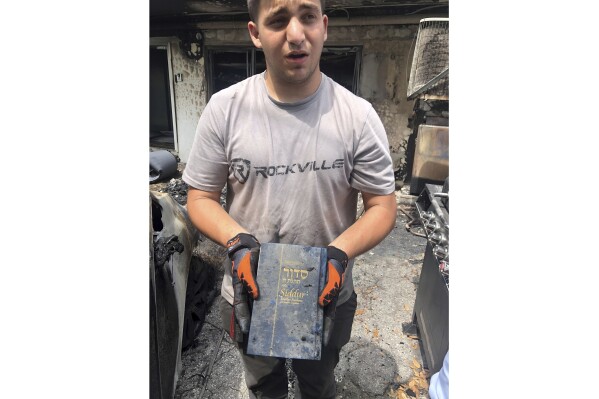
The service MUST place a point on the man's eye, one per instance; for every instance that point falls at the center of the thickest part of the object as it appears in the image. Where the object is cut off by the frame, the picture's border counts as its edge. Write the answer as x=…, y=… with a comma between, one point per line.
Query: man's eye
x=310, y=17
x=277, y=22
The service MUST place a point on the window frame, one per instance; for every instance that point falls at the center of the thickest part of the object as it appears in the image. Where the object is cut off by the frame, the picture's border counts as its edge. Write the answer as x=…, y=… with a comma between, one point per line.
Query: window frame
x=251, y=52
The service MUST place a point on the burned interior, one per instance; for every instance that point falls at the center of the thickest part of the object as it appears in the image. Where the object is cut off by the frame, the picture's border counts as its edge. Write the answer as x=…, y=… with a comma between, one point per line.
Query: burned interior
x=228, y=56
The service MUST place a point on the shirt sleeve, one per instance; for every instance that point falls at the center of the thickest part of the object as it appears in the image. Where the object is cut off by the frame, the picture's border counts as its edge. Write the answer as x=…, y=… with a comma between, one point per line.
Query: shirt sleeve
x=373, y=168
x=207, y=167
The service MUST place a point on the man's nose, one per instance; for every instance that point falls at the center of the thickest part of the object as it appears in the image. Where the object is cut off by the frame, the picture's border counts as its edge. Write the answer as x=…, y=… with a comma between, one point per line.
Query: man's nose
x=295, y=32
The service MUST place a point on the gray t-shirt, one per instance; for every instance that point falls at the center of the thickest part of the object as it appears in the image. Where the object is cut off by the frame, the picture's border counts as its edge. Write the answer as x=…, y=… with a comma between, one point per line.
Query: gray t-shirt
x=293, y=171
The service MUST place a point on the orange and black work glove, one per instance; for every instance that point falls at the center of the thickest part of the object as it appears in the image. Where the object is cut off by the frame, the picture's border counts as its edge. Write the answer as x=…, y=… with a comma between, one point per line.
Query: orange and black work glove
x=243, y=250
x=336, y=265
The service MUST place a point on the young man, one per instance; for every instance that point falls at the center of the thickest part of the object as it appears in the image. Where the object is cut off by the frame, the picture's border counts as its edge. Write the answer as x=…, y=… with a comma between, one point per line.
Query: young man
x=294, y=149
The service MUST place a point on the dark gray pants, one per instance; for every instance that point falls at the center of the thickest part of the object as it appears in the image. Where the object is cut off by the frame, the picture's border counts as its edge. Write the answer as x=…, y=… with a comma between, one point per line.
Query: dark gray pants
x=266, y=377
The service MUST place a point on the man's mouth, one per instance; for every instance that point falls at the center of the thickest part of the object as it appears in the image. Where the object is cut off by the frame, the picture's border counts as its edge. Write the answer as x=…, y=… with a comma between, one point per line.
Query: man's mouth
x=297, y=56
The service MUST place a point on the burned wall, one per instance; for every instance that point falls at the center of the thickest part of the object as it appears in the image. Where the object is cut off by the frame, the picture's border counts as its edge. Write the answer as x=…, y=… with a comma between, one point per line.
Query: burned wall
x=384, y=74
x=190, y=97
x=191, y=92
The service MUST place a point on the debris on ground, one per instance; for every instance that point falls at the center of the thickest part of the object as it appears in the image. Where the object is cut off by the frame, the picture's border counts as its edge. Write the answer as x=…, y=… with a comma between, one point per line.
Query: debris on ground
x=381, y=360
x=177, y=188
x=416, y=387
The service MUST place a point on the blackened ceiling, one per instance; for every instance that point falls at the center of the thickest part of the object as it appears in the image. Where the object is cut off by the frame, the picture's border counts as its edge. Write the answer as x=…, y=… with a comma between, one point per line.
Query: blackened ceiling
x=165, y=13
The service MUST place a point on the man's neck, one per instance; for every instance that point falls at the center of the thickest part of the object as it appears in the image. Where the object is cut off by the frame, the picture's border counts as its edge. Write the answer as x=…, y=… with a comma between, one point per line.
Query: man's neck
x=289, y=93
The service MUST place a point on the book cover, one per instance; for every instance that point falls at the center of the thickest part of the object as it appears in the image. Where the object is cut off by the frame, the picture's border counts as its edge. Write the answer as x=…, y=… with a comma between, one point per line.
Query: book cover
x=286, y=319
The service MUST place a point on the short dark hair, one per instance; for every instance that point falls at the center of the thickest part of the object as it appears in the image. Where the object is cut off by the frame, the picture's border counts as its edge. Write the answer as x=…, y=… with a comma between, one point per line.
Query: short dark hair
x=254, y=8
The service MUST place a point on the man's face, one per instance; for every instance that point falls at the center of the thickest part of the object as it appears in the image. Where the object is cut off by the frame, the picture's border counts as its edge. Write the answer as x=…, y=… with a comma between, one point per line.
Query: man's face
x=291, y=33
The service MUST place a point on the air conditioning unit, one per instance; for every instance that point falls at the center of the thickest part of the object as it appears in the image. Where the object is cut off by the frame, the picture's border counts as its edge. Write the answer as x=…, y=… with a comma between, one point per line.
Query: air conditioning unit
x=430, y=64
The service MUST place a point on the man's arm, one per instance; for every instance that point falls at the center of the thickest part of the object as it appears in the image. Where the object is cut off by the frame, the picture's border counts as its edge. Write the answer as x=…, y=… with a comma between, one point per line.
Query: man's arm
x=207, y=214
x=370, y=229
x=374, y=225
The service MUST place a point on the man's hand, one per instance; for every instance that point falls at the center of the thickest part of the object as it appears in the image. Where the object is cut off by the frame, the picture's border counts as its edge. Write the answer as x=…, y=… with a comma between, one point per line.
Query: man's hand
x=243, y=250
x=336, y=265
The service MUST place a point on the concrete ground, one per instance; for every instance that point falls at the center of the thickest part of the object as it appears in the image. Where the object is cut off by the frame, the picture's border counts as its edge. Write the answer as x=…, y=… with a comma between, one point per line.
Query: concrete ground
x=380, y=361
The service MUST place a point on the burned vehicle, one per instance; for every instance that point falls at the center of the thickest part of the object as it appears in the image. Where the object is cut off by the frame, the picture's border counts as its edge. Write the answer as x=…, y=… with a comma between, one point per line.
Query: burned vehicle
x=181, y=289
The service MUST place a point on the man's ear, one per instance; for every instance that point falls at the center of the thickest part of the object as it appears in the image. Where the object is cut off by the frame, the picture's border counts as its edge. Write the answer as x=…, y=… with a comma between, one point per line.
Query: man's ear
x=325, y=21
x=254, y=35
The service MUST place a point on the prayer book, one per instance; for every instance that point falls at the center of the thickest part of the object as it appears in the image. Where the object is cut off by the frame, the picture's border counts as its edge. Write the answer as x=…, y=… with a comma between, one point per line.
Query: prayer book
x=287, y=321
